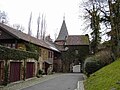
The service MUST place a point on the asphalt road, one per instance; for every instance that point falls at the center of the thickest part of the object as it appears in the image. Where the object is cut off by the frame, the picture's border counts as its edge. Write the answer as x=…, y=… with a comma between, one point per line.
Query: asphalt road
x=62, y=82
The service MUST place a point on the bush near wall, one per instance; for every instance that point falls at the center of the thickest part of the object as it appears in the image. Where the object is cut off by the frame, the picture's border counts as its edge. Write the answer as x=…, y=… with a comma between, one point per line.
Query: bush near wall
x=32, y=48
x=91, y=65
x=14, y=54
x=97, y=61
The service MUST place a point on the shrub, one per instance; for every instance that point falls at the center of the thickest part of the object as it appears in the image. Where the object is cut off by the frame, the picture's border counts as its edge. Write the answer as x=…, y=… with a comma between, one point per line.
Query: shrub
x=91, y=65
x=40, y=72
x=97, y=61
x=105, y=57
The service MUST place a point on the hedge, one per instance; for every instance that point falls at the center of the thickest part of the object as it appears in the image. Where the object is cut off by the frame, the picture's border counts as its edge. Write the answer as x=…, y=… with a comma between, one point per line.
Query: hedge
x=14, y=54
x=91, y=65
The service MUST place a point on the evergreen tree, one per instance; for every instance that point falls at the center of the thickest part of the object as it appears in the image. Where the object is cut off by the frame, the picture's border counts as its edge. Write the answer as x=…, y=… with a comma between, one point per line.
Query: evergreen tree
x=94, y=17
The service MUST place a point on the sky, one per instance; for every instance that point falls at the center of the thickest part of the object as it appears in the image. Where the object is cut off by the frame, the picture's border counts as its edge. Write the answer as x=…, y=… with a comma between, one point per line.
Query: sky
x=18, y=12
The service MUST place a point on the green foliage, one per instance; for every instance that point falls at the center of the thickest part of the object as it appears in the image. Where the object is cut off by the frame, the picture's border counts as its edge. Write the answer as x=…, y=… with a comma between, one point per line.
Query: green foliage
x=6, y=74
x=97, y=61
x=94, y=17
x=13, y=54
x=40, y=72
x=115, y=25
x=31, y=47
x=106, y=78
x=70, y=56
x=91, y=65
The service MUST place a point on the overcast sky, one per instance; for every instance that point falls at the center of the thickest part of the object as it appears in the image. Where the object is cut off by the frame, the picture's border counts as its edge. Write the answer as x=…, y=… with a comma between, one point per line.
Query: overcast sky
x=19, y=12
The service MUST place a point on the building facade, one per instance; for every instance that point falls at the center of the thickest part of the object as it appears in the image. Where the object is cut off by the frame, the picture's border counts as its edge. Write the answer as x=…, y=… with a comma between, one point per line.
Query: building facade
x=25, y=68
x=74, y=48
x=23, y=56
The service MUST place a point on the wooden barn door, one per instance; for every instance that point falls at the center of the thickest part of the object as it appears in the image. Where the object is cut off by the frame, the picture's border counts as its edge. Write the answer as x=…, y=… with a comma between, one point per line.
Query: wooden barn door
x=30, y=68
x=1, y=72
x=15, y=71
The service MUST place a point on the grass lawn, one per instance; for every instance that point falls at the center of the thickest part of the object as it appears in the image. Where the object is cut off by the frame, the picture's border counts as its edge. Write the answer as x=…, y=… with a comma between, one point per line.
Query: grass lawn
x=106, y=78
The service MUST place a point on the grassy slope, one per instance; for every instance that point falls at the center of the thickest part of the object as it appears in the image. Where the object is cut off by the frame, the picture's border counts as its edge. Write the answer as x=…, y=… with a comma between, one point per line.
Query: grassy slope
x=105, y=79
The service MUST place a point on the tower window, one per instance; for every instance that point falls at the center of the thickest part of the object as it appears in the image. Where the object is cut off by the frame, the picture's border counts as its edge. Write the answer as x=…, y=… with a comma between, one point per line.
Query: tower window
x=76, y=51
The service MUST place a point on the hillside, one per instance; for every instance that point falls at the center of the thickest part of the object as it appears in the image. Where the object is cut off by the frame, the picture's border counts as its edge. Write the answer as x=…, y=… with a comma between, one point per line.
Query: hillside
x=107, y=78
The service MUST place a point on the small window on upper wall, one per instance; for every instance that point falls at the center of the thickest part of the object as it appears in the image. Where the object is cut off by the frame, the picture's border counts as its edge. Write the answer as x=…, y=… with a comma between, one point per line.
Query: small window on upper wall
x=48, y=54
x=40, y=51
x=51, y=55
x=13, y=45
x=9, y=45
x=76, y=51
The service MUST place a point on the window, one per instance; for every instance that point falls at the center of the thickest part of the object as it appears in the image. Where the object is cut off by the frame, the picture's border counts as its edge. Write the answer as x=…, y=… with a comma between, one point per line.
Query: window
x=13, y=45
x=76, y=51
x=9, y=45
x=40, y=51
x=50, y=54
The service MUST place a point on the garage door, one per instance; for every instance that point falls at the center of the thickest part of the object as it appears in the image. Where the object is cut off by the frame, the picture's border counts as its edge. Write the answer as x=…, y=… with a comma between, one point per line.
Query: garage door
x=15, y=71
x=30, y=68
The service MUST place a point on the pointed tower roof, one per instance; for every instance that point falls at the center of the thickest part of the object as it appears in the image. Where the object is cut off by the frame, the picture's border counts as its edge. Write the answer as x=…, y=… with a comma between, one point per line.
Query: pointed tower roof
x=63, y=31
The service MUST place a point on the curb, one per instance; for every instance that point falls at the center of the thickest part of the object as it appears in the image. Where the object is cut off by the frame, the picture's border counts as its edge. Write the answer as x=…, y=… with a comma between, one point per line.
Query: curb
x=80, y=85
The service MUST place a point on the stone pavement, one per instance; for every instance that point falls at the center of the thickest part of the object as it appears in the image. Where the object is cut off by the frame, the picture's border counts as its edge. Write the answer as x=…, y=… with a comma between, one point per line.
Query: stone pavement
x=29, y=82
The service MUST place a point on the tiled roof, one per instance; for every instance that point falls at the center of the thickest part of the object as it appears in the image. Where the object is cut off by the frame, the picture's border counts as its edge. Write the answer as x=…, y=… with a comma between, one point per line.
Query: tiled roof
x=77, y=40
x=20, y=35
x=63, y=32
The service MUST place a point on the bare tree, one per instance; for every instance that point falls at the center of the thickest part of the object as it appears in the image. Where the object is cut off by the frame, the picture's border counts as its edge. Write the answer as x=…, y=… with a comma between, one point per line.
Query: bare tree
x=41, y=31
x=95, y=26
x=29, y=25
x=114, y=9
x=43, y=27
x=3, y=17
x=18, y=27
x=38, y=27
x=93, y=16
x=56, y=34
x=110, y=17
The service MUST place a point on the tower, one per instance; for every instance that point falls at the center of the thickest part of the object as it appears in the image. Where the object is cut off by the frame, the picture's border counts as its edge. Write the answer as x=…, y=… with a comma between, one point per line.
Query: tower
x=62, y=34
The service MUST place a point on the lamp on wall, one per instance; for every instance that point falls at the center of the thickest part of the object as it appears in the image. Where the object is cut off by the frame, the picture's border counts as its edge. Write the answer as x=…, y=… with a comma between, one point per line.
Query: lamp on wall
x=66, y=48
